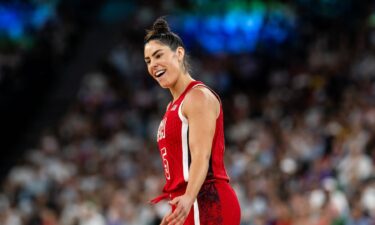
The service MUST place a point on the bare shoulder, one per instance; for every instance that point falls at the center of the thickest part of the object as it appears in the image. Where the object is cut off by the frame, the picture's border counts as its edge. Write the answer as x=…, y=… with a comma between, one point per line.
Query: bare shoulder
x=201, y=98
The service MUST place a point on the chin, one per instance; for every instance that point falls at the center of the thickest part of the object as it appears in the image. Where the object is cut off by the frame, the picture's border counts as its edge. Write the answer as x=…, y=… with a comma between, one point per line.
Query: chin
x=165, y=85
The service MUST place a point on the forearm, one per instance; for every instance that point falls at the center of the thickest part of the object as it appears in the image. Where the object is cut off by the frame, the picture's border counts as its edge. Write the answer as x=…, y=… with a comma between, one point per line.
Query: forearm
x=197, y=175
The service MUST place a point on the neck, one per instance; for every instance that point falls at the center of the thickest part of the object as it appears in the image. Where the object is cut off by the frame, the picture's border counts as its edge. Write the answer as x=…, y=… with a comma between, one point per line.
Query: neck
x=181, y=84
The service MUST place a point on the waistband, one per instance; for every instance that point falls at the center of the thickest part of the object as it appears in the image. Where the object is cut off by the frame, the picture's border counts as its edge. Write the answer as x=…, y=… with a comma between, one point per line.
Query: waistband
x=179, y=192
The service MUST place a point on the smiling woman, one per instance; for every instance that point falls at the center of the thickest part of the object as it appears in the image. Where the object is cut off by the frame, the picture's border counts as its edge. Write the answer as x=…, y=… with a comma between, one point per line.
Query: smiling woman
x=164, y=49
x=190, y=138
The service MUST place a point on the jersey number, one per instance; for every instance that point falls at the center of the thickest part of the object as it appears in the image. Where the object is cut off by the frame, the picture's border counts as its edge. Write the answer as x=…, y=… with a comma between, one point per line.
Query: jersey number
x=165, y=163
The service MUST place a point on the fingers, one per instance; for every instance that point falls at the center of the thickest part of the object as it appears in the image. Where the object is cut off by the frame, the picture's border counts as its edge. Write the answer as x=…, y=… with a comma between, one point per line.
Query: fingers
x=164, y=221
x=178, y=216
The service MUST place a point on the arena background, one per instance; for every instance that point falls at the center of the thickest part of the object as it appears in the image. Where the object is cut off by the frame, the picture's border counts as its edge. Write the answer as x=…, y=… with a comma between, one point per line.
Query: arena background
x=78, y=111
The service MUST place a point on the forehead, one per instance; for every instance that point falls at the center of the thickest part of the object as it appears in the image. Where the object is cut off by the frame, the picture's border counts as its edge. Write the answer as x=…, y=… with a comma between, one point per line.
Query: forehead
x=152, y=46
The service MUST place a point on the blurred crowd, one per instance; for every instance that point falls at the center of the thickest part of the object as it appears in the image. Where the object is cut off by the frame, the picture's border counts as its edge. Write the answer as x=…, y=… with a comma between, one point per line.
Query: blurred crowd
x=32, y=63
x=300, y=140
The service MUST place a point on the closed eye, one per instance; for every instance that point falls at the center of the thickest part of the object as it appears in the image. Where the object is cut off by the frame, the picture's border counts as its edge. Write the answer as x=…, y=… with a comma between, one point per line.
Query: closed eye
x=157, y=54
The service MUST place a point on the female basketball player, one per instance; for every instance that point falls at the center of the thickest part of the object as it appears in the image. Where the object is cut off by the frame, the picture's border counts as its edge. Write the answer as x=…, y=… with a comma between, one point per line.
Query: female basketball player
x=190, y=138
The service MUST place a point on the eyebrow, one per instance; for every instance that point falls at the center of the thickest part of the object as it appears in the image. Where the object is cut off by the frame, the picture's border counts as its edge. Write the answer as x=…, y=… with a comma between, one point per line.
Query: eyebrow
x=155, y=52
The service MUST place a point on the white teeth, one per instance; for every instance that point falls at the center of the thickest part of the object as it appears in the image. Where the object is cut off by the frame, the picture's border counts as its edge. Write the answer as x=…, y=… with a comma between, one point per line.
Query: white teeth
x=159, y=73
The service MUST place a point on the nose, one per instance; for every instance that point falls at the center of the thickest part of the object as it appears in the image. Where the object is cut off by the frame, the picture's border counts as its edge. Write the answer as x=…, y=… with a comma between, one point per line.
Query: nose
x=152, y=67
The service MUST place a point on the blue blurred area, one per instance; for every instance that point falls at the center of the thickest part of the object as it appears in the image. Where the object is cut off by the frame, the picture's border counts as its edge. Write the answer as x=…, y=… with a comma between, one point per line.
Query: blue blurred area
x=20, y=20
x=223, y=26
x=237, y=26
x=231, y=26
x=10, y=21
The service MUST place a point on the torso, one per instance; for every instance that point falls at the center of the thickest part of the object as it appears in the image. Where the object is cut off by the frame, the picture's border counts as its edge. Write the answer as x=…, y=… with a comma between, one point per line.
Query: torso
x=173, y=142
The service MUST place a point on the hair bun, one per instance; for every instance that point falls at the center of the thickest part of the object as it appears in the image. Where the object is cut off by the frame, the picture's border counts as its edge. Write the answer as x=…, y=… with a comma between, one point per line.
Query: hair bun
x=161, y=26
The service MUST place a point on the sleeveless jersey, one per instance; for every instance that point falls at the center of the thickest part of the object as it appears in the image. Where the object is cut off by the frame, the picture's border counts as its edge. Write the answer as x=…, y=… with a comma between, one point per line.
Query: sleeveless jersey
x=173, y=142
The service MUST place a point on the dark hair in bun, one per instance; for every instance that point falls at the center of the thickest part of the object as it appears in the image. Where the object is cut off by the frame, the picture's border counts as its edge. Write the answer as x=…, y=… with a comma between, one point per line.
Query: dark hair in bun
x=161, y=32
x=161, y=26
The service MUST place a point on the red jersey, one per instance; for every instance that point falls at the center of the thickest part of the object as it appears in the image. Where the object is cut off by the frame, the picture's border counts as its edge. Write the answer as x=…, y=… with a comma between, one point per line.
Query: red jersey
x=173, y=142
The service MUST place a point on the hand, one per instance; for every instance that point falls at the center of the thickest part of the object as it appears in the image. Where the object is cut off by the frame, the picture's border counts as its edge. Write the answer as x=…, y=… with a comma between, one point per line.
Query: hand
x=183, y=205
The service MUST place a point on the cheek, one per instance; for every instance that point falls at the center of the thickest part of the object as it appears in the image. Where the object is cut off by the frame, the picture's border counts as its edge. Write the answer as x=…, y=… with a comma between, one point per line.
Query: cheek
x=172, y=64
x=149, y=70
x=176, y=63
x=176, y=66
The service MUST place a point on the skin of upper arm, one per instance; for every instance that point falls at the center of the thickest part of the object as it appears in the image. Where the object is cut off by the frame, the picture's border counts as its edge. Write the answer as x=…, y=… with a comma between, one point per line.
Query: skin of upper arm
x=201, y=108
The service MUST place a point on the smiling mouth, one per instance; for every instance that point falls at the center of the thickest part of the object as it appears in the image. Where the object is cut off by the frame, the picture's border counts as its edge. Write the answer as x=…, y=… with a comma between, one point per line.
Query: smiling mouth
x=159, y=73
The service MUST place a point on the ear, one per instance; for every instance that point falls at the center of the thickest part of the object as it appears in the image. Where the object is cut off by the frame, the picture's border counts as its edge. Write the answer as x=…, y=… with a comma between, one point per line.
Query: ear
x=180, y=51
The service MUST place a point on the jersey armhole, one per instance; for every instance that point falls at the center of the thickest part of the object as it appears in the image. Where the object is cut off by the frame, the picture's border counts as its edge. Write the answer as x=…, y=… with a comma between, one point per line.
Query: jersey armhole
x=182, y=117
x=212, y=91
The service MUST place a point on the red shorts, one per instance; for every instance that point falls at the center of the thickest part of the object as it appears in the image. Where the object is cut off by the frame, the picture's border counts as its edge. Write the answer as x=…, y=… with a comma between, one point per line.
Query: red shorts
x=216, y=204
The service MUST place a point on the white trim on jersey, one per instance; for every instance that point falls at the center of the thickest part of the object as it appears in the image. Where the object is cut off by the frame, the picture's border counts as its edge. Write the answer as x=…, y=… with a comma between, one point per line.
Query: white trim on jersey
x=196, y=213
x=185, y=144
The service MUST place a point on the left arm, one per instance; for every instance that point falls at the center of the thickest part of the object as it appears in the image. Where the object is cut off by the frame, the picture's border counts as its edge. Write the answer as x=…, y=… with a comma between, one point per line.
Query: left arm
x=201, y=108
